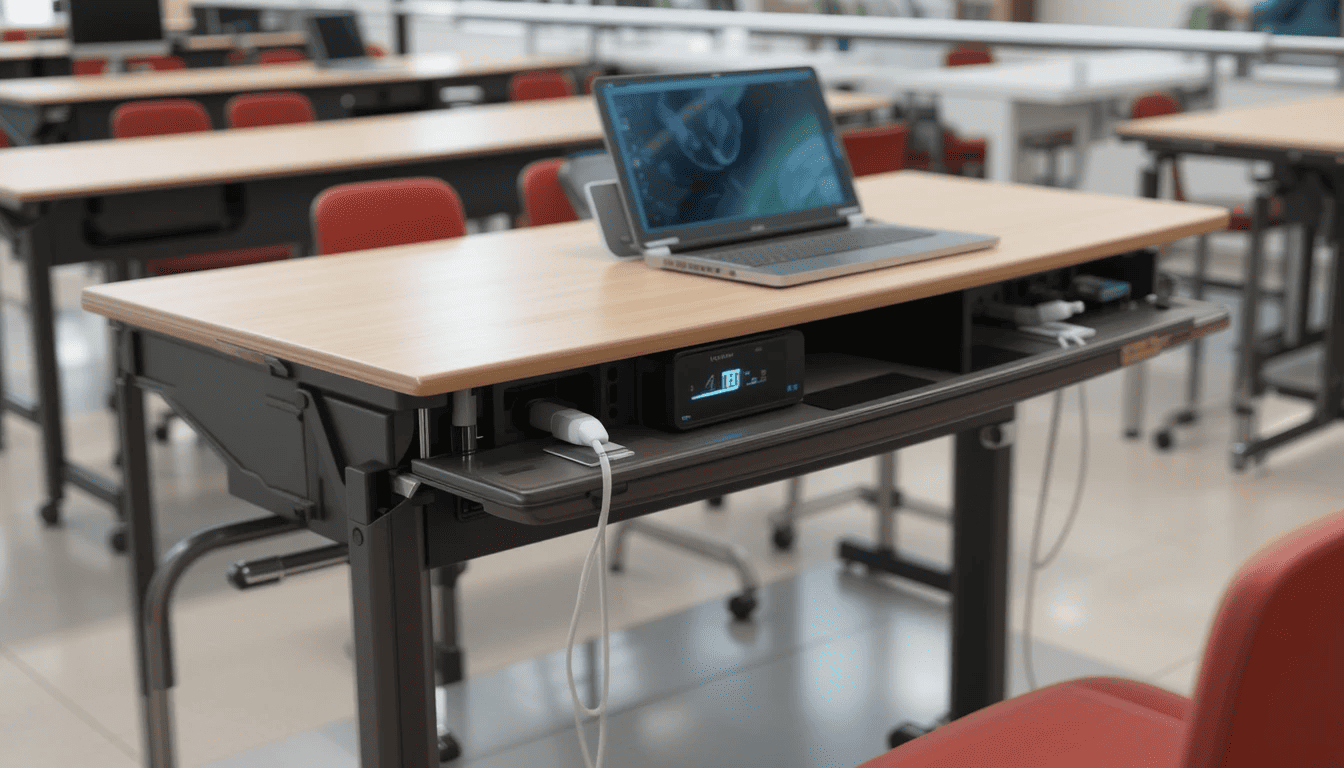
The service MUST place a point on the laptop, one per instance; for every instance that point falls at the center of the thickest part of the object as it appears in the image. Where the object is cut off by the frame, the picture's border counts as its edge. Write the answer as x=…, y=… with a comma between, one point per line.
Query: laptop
x=336, y=43
x=742, y=176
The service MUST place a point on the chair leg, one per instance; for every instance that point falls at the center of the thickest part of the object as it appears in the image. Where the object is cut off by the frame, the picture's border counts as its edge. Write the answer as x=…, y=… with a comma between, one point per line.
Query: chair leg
x=741, y=605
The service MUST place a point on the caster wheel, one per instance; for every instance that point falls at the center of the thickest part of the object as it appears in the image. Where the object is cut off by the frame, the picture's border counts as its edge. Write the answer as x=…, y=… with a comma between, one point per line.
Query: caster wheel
x=1164, y=440
x=715, y=503
x=742, y=606
x=617, y=567
x=117, y=540
x=161, y=433
x=448, y=748
x=905, y=732
x=50, y=514
x=782, y=538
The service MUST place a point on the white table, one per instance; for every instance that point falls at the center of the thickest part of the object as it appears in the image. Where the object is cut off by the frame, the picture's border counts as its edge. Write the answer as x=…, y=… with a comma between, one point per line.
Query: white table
x=1084, y=93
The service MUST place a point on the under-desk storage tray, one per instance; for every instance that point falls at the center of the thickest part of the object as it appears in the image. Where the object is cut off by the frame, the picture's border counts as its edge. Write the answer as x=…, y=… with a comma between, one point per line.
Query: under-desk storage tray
x=854, y=408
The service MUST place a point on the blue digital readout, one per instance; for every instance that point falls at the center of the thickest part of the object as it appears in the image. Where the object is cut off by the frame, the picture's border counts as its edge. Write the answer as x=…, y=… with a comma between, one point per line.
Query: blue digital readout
x=728, y=381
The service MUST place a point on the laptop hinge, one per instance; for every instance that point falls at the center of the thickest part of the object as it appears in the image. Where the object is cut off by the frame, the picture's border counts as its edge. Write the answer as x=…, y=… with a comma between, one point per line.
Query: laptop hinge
x=856, y=219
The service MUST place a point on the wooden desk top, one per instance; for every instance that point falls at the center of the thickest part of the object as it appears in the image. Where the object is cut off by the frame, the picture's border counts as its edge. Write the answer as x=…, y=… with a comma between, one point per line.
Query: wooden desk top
x=40, y=91
x=56, y=171
x=20, y=50
x=1312, y=125
x=438, y=317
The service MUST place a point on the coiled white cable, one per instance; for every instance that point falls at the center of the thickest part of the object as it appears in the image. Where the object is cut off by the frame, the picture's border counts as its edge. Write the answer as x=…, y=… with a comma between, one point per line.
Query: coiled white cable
x=597, y=555
x=1038, y=563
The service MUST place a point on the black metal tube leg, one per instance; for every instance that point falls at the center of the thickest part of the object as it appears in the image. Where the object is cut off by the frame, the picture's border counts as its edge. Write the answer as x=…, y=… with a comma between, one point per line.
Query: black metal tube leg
x=394, y=670
x=449, y=660
x=981, y=501
x=156, y=727
x=1301, y=323
x=1194, y=378
x=47, y=394
x=3, y=306
x=1332, y=367
x=1243, y=391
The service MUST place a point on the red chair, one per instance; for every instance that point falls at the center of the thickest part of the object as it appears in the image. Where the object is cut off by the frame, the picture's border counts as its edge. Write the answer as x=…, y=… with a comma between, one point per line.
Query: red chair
x=161, y=117
x=957, y=154
x=876, y=150
x=1270, y=690
x=281, y=56
x=374, y=51
x=531, y=86
x=543, y=198
x=378, y=214
x=158, y=117
x=968, y=55
x=14, y=36
x=255, y=110
x=155, y=63
x=89, y=66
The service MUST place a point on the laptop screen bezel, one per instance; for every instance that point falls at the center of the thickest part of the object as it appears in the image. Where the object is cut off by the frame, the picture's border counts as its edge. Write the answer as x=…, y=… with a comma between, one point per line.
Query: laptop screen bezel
x=319, y=43
x=679, y=236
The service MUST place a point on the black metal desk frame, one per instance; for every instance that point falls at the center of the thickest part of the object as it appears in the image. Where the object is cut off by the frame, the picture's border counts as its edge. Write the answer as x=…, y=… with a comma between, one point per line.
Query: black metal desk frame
x=127, y=230
x=1303, y=180
x=337, y=456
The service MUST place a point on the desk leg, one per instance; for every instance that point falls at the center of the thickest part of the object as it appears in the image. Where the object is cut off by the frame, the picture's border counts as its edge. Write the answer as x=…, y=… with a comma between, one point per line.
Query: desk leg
x=981, y=502
x=1135, y=377
x=47, y=394
x=1248, y=363
x=1331, y=393
x=156, y=728
x=389, y=584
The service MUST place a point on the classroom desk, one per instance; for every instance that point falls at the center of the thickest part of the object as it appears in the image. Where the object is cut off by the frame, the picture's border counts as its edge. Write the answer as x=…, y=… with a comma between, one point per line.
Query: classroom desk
x=332, y=405
x=127, y=201
x=1085, y=94
x=53, y=109
x=1303, y=142
x=45, y=58
x=31, y=58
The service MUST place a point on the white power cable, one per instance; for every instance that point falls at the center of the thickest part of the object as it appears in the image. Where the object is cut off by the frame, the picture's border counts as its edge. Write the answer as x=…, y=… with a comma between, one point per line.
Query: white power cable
x=1038, y=563
x=597, y=555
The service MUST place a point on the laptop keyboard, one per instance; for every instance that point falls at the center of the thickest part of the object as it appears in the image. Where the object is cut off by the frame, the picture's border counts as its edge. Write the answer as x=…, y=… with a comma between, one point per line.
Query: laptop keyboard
x=788, y=249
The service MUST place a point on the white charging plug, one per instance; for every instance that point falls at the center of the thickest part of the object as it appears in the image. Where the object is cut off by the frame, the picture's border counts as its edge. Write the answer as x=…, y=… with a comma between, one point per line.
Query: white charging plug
x=568, y=424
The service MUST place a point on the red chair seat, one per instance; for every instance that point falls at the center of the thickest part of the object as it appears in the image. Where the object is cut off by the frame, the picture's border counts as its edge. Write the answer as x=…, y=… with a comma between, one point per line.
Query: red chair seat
x=543, y=198
x=218, y=260
x=534, y=86
x=879, y=149
x=1089, y=723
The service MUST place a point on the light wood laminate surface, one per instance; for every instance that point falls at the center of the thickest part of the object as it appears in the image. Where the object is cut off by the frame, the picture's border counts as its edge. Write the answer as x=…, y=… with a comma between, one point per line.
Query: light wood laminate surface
x=143, y=85
x=56, y=171
x=1312, y=125
x=439, y=317
x=21, y=50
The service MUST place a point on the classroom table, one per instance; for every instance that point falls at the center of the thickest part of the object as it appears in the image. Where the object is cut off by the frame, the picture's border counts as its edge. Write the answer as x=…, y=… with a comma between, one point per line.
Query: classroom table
x=132, y=200
x=332, y=407
x=1084, y=93
x=1303, y=142
x=55, y=109
x=51, y=57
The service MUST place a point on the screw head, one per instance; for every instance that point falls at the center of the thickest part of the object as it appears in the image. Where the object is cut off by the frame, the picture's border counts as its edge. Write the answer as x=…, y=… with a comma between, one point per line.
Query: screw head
x=357, y=537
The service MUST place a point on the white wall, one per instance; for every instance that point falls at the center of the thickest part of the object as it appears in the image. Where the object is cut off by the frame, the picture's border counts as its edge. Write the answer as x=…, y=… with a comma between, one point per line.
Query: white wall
x=1127, y=13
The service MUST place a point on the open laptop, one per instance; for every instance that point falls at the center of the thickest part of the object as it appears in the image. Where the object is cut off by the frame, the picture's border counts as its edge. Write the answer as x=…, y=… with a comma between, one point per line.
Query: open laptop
x=742, y=176
x=336, y=42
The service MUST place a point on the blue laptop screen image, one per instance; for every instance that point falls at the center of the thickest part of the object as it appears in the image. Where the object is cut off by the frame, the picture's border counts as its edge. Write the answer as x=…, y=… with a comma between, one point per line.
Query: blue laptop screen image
x=714, y=150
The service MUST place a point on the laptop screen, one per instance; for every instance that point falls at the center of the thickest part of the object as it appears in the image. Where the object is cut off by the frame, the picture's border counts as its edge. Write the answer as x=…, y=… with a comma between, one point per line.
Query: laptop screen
x=337, y=36
x=718, y=156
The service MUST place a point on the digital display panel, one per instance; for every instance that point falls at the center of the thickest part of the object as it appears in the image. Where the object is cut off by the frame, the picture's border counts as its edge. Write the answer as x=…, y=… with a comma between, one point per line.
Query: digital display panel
x=734, y=380
x=115, y=21
x=714, y=150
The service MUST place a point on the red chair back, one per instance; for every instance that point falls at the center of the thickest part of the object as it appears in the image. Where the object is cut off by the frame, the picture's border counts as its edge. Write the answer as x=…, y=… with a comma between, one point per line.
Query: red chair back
x=544, y=200
x=281, y=56
x=13, y=36
x=378, y=214
x=1271, y=685
x=1155, y=105
x=967, y=55
x=158, y=117
x=876, y=150
x=374, y=51
x=156, y=63
x=89, y=66
x=255, y=110
x=531, y=86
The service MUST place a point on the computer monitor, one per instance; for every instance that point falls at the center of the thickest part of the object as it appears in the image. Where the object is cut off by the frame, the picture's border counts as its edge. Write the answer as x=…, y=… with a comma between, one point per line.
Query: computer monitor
x=334, y=36
x=116, y=27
